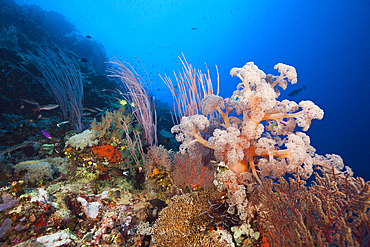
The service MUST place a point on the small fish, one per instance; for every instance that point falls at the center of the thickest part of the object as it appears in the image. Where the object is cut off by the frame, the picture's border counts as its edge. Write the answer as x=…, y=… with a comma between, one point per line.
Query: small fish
x=117, y=194
x=119, y=92
x=194, y=28
x=118, y=172
x=48, y=107
x=88, y=36
x=83, y=60
x=64, y=122
x=296, y=91
x=132, y=104
x=88, y=109
x=22, y=107
x=157, y=203
x=46, y=134
x=123, y=102
x=32, y=102
x=98, y=109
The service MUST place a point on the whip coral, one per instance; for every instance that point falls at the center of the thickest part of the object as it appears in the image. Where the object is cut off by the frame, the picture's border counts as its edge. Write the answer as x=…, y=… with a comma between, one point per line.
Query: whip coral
x=247, y=131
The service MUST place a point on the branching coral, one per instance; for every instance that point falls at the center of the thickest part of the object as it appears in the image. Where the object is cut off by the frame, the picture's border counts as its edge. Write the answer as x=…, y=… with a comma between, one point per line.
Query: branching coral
x=179, y=224
x=251, y=124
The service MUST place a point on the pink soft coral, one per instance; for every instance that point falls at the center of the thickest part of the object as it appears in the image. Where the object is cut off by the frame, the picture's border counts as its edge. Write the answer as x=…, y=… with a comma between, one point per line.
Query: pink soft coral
x=245, y=134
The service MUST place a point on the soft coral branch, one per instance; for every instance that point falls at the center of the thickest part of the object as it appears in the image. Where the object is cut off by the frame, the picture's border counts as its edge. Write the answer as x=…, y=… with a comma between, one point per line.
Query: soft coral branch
x=247, y=139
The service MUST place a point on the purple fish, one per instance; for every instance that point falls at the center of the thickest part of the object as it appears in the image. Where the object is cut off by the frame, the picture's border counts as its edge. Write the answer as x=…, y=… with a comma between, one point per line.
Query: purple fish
x=46, y=134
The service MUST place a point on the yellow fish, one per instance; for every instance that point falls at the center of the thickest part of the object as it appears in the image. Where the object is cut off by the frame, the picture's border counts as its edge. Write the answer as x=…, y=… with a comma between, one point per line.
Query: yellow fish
x=123, y=102
x=132, y=104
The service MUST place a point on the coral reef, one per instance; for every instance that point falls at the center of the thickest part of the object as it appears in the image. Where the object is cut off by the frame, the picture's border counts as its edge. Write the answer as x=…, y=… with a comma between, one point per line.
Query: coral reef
x=109, y=186
x=214, y=192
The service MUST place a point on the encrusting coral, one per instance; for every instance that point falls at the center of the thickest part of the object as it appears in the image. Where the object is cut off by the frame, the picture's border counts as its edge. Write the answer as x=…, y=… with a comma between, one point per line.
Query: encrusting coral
x=247, y=131
x=107, y=152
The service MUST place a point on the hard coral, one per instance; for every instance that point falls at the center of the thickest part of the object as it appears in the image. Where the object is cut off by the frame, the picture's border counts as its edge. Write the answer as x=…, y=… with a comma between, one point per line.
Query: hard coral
x=250, y=137
x=179, y=224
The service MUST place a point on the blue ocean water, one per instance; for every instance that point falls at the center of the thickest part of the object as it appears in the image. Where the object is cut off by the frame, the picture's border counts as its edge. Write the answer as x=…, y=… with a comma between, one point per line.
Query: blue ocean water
x=326, y=41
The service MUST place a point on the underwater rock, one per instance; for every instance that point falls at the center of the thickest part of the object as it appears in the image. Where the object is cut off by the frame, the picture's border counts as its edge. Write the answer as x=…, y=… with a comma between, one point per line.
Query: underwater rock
x=29, y=243
x=20, y=227
x=8, y=202
x=42, y=196
x=5, y=227
x=57, y=239
x=91, y=209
